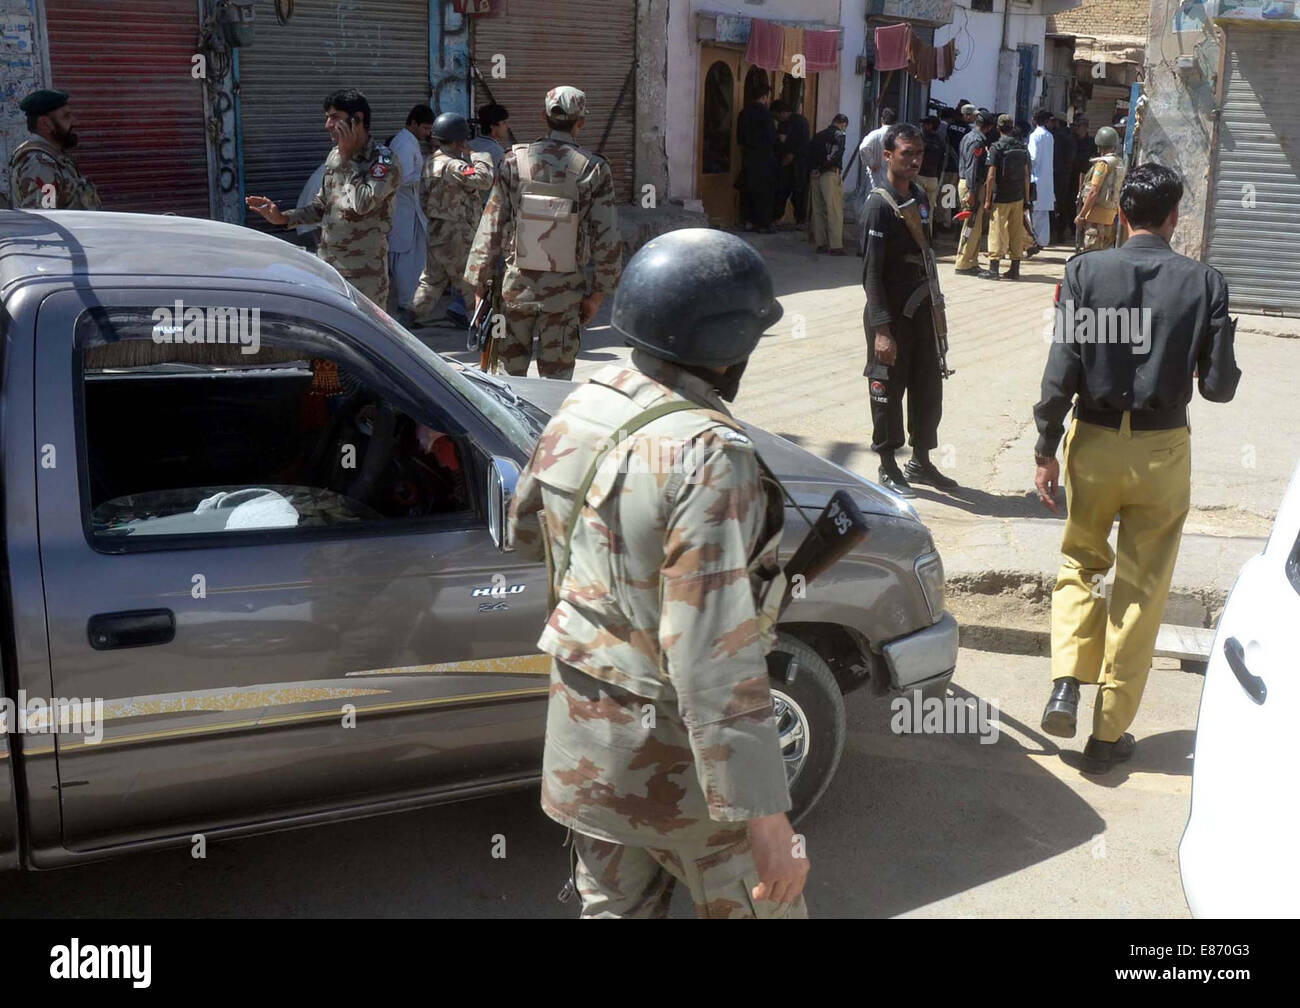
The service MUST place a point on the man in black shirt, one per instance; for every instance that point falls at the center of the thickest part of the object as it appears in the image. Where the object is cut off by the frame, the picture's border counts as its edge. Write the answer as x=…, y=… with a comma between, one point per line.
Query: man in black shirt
x=793, y=134
x=1062, y=161
x=972, y=170
x=1134, y=327
x=936, y=150
x=756, y=135
x=1005, y=193
x=826, y=186
x=899, y=319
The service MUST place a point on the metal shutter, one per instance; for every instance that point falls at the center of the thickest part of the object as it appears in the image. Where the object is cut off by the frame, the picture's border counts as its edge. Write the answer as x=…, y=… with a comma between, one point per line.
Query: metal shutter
x=1257, y=247
x=139, y=113
x=380, y=47
x=588, y=44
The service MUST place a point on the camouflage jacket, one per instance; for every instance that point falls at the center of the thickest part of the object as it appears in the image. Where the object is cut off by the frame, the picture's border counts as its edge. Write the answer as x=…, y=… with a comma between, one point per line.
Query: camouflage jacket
x=599, y=244
x=37, y=164
x=354, y=209
x=660, y=724
x=450, y=187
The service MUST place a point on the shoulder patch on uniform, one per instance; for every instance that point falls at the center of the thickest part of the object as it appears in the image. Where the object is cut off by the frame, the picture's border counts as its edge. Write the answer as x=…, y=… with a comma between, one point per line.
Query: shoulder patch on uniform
x=43, y=157
x=732, y=436
x=379, y=171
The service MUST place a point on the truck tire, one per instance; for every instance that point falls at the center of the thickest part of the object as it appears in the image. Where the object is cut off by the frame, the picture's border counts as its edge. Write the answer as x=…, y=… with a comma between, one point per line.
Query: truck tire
x=810, y=717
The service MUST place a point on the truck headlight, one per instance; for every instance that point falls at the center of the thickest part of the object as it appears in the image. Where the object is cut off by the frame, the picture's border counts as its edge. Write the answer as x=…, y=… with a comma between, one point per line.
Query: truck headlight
x=929, y=571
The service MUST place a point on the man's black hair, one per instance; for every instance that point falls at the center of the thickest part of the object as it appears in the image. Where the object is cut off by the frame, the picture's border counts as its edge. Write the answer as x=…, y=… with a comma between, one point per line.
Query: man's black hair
x=419, y=114
x=901, y=131
x=930, y=121
x=491, y=115
x=1150, y=194
x=779, y=106
x=984, y=119
x=1041, y=116
x=888, y=117
x=351, y=101
x=840, y=118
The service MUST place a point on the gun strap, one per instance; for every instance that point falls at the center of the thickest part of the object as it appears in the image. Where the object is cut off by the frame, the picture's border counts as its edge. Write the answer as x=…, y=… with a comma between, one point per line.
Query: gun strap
x=625, y=432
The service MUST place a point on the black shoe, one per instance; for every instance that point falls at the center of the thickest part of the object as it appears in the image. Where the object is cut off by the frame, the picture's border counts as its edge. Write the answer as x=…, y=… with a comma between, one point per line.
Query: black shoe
x=991, y=273
x=457, y=319
x=1061, y=715
x=925, y=472
x=1014, y=272
x=892, y=479
x=968, y=271
x=1098, y=756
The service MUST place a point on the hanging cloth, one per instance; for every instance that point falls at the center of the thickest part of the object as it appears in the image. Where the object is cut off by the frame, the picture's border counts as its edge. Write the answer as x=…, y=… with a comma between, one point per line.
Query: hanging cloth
x=822, y=49
x=766, y=41
x=891, y=47
x=791, y=46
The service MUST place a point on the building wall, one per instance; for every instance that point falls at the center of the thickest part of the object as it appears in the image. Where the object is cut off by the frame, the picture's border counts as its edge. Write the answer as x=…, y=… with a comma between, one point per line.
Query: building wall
x=1177, y=125
x=853, y=18
x=1106, y=17
x=684, y=73
x=979, y=42
x=24, y=68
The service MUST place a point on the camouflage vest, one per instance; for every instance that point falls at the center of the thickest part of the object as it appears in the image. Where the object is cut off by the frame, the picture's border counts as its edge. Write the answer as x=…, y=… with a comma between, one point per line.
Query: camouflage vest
x=546, y=232
x=1108, y=197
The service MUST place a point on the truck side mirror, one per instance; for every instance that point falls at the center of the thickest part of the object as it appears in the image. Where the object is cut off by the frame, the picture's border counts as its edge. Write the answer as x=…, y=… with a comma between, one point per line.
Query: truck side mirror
x=503, y=477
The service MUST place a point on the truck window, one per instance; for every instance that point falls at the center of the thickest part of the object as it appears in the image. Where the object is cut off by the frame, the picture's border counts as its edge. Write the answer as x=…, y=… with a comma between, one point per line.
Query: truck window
x=228, y=421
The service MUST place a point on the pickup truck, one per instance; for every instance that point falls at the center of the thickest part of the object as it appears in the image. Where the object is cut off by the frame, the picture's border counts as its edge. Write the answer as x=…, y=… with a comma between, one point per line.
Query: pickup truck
x=254, y=575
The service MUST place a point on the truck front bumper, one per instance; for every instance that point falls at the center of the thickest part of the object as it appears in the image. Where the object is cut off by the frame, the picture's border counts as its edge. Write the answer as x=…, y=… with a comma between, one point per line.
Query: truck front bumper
x=927, y=657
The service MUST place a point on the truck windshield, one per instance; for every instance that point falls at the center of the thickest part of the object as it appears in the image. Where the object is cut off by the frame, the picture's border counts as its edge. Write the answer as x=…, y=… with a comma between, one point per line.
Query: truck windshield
x=518, y=421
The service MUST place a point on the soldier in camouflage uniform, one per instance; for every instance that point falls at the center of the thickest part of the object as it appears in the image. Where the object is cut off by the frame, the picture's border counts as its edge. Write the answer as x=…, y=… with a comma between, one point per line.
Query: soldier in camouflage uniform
x=662, y=754
x=451, y=185
x=552, y=211
x=1101, y=191
x=357, y=198
x=42, y=172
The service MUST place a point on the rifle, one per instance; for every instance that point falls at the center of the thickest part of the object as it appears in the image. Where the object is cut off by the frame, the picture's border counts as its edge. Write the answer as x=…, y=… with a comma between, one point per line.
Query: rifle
x=481, y=328
x=490, y=97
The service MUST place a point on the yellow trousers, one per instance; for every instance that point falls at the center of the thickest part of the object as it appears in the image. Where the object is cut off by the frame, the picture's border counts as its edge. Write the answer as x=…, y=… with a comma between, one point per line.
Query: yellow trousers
x=1007, y=230
x=1144, y=479
x=968, y=245
x=826, y=221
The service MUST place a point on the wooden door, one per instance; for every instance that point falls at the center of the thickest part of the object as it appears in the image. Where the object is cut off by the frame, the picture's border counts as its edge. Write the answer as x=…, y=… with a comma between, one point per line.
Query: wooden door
x=717, y=153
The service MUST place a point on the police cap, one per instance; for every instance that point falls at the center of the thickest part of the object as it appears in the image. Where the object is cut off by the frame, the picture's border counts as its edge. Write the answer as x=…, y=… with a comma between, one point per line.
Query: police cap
x=44, y=102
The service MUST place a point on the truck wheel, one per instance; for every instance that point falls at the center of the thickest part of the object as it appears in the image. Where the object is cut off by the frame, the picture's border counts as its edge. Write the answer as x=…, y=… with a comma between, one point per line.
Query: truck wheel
x=810, y=719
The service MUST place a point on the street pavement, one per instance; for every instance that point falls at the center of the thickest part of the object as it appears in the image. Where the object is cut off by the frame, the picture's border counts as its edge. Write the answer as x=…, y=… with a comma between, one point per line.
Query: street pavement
x=918, y=825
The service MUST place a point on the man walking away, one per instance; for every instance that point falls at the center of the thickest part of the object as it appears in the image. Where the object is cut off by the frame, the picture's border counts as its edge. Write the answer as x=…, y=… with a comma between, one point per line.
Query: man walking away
x=1042, y=168
x=973, y=171
x=756, y=135
x=1063, y=147
x=1156, y=321
x=1101, y=193
x=900, y=319
x=826, y=157
x=1004, y=198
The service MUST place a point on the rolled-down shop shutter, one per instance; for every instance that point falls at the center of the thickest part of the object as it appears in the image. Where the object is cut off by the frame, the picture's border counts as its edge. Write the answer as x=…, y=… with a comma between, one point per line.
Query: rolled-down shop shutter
x=1255, y=230
x=588, y=44
x=380, y=47
x=139, y=112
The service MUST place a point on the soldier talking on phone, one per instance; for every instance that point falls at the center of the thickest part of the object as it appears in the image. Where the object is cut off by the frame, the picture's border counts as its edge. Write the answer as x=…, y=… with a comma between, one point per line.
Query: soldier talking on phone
x=356, y=201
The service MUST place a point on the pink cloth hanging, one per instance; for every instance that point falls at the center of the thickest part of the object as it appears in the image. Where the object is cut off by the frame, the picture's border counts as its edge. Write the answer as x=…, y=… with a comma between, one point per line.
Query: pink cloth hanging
x=822, y=48
x=891, y=47
x=765, y=42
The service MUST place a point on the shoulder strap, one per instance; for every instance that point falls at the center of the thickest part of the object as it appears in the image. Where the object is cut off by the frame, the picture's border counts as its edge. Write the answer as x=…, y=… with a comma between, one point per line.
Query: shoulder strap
x=625, y=431
x=888, y=197
x=525, y=164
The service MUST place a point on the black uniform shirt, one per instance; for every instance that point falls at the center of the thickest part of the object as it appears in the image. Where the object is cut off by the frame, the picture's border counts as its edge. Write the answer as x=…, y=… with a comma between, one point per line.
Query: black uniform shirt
x=826, y=151
x=1187, y=331
x=935, y=151
x=797, y=133
x=893, y=267
x=974, y=164
x=1010, y=157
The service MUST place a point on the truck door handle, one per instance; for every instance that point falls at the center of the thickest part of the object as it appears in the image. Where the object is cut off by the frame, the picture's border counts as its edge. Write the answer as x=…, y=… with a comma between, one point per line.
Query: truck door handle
x=1252, y=684
x=137, y=628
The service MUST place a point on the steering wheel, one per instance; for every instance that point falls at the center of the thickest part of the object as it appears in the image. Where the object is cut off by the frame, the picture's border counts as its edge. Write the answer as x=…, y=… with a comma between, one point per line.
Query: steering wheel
x=344, y=429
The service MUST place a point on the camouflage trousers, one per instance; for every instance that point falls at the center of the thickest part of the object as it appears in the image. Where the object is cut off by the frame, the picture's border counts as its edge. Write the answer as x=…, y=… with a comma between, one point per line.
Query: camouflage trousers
x=372, y=284
x=1098, y=236
x=559, y=338
x=444, y=265
x=617, y=881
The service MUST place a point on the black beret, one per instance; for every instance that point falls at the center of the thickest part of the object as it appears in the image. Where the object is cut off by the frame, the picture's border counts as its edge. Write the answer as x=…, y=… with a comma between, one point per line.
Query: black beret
x=44, y=101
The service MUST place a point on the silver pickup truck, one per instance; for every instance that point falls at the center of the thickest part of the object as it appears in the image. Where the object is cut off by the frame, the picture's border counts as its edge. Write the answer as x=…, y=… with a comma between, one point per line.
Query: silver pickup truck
x=253, y=568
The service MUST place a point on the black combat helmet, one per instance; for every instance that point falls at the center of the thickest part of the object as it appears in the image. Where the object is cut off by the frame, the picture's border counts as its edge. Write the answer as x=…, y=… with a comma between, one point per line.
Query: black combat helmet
x=450, y=127
x=696, y=297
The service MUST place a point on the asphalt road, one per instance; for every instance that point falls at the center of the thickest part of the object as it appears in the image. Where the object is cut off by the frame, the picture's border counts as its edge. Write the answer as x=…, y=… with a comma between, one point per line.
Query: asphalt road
x=923, y=825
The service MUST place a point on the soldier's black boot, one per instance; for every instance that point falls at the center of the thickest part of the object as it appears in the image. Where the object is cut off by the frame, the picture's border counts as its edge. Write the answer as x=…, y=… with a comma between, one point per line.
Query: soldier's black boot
x=1098, y=756
x=992, y=272
x=1061, y=715
x=891, y=478
x=922, y=470
x=1014, y=272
